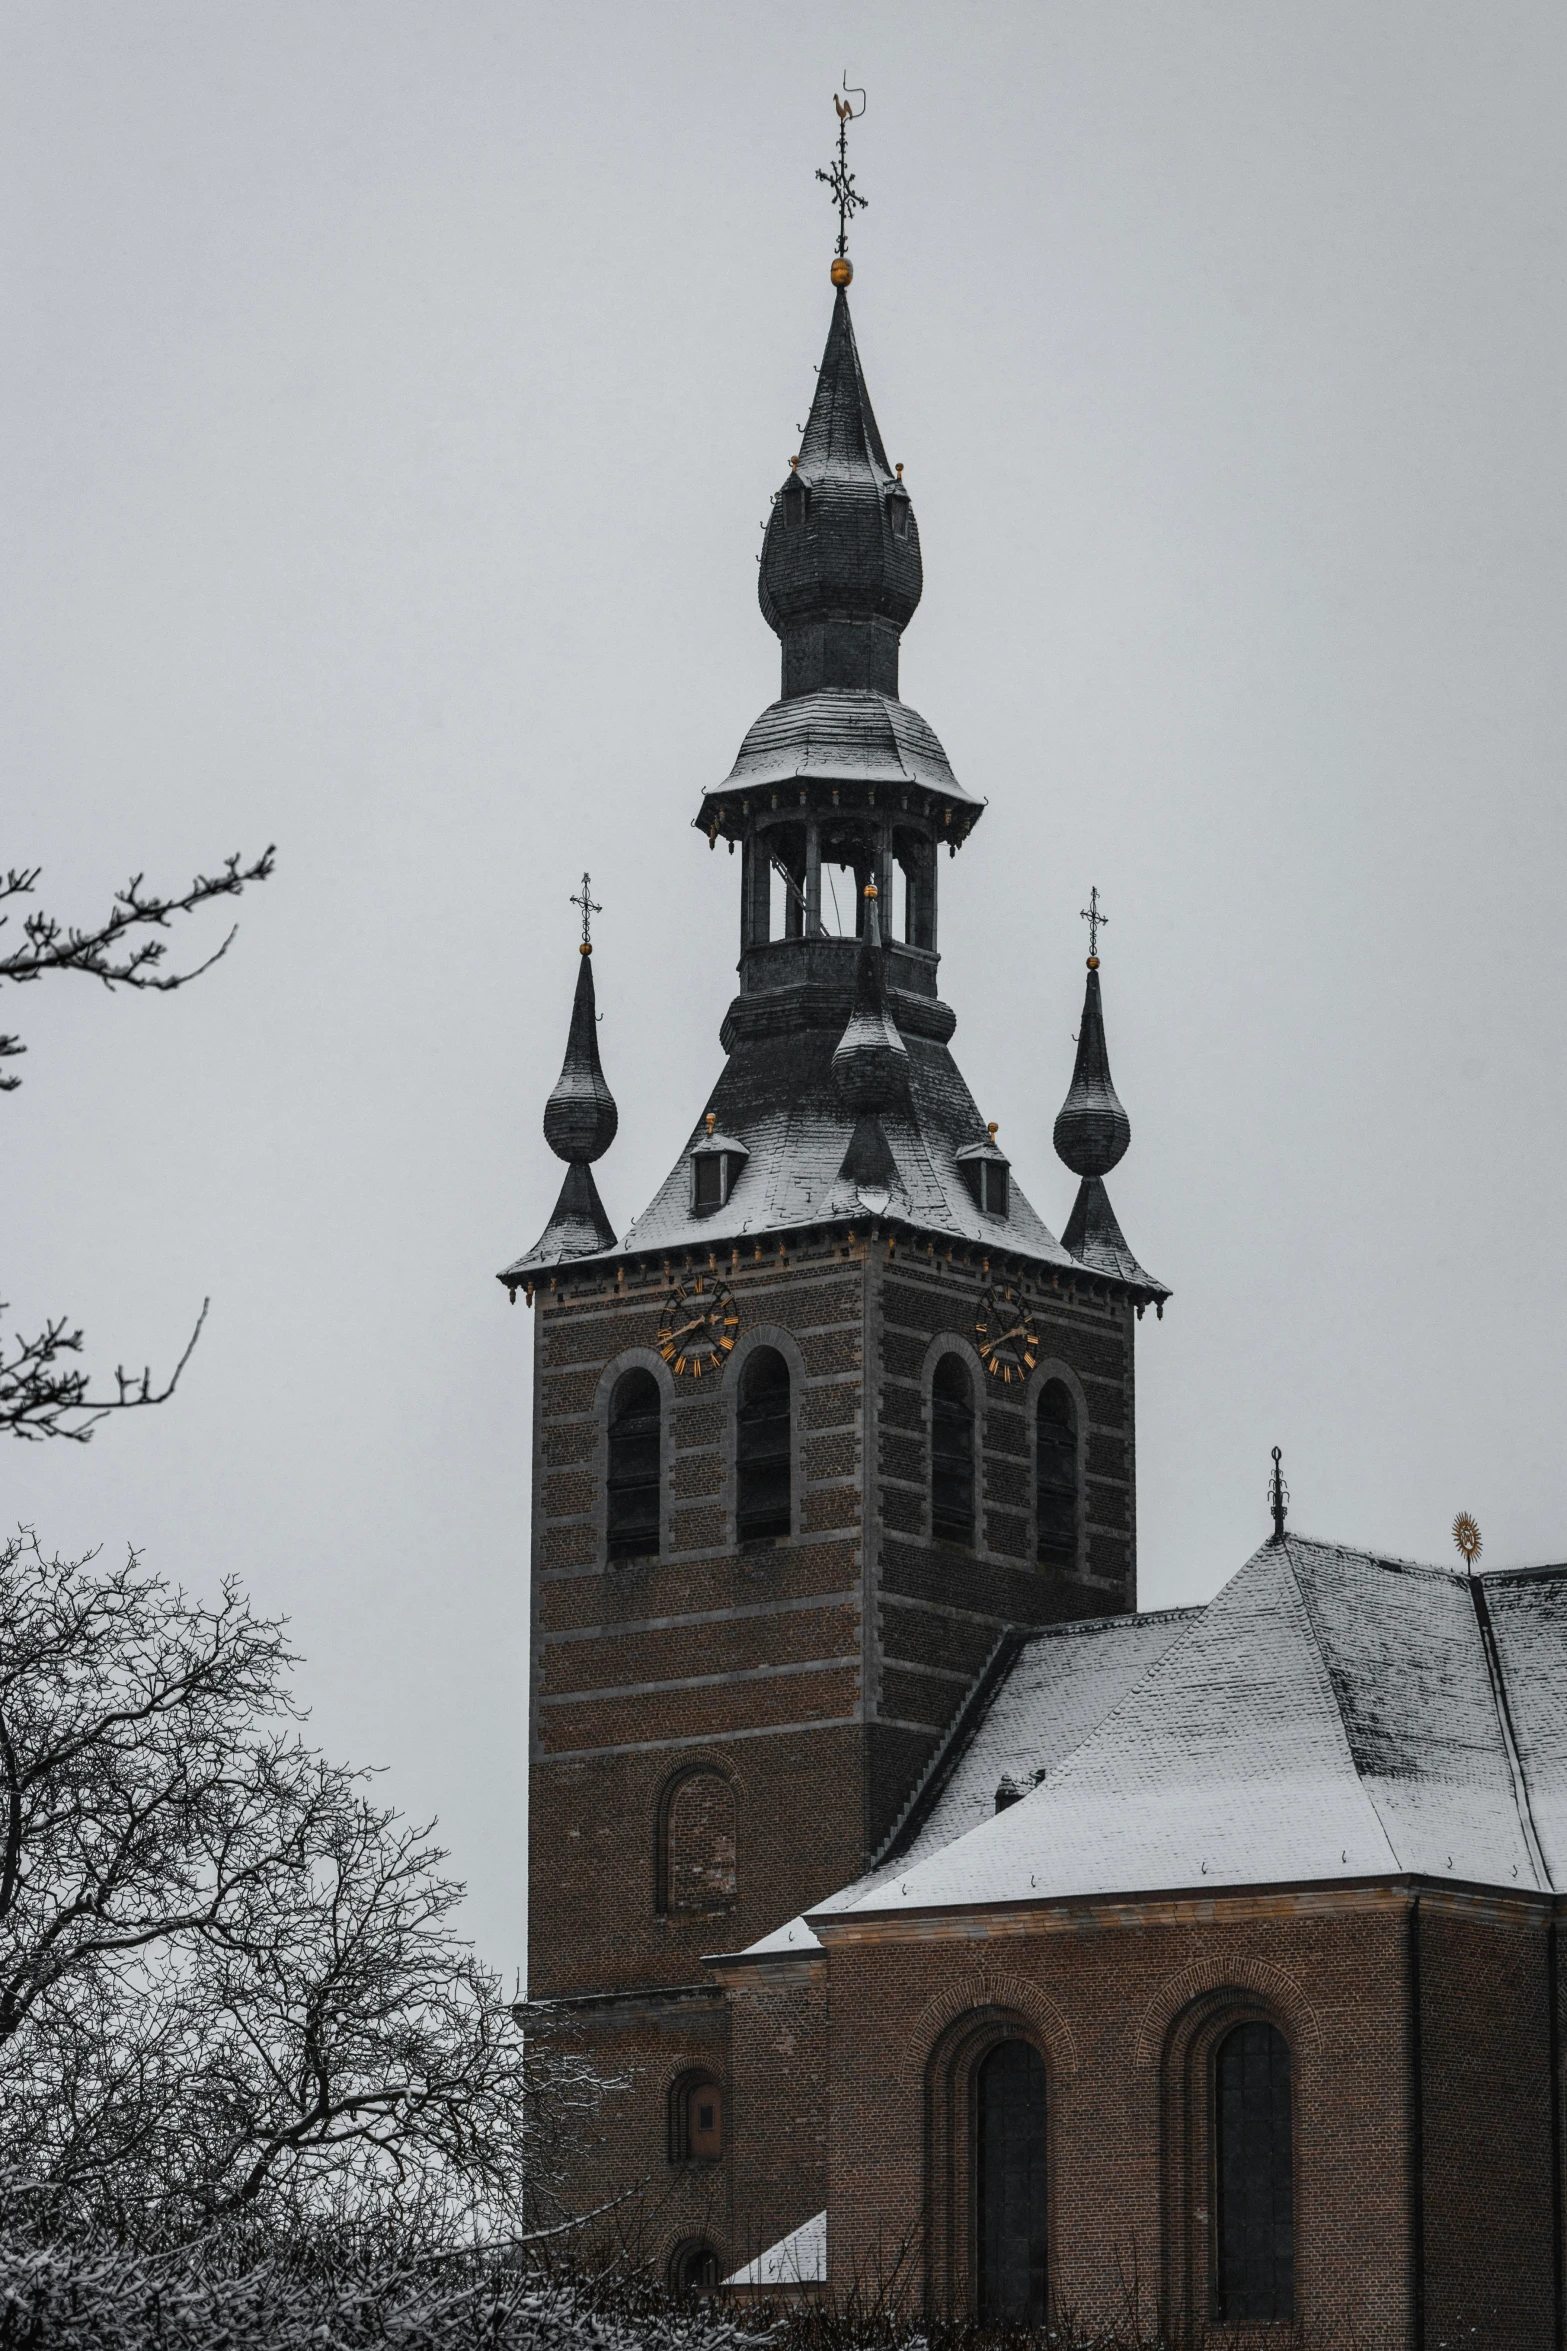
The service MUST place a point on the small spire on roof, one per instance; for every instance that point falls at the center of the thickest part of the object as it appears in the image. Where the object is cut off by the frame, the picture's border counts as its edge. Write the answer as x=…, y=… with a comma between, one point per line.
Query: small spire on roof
x=871, y=1063
x=1278, y=1496
x=1092, y=1133
x=580, y=1120
x=1092, y=1130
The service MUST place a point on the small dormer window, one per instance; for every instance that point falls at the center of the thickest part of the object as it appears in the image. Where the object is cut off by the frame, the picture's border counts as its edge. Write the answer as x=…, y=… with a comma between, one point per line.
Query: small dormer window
x=988, y=1174
x=716, y=1165
x=899, y=508
x=793, y=502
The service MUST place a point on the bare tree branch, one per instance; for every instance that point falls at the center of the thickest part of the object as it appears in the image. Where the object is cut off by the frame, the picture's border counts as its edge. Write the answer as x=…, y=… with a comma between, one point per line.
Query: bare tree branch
x=118, y=950
x=42, y=1397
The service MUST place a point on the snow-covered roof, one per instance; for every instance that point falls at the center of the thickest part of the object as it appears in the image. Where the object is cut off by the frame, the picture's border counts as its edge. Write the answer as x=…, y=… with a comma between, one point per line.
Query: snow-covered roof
x=1330, y=1714
x=800, y=2259
x=1060, y=1683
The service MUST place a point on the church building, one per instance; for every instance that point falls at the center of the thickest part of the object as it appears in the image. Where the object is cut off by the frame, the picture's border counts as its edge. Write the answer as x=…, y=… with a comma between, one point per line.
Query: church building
x=952, y=1928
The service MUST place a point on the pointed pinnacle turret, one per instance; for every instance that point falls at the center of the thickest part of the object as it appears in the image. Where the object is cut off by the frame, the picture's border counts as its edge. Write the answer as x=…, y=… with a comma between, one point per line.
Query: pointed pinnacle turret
x=841, y=574
x=870, y=1066
x=1092, y=1130
x=580, y=1120
x=580, y=1117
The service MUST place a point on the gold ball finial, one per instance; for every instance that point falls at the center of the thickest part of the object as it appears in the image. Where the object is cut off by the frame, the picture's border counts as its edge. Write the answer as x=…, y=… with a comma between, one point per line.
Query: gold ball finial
x=993, y=1128
x=712, y=1120
x=1093, y=963
x=843, y=271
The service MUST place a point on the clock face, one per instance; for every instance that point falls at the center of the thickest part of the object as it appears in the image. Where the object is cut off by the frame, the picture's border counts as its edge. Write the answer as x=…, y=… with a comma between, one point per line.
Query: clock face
x=1008, y=1342
x=698, y=1327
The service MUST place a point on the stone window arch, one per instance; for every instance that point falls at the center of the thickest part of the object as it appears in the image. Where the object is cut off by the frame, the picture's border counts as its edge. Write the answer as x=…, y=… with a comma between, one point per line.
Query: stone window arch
x=1231, y=2189
x=696, y=1862
x=990, y=2088
x=693, y=2268
x=696, y=2117
x=953, y=1434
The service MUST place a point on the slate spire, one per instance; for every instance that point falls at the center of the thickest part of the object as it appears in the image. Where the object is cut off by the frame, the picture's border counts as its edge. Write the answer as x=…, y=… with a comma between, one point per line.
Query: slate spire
x=1092, y=1132
x=580, y=1120
x=841, y=573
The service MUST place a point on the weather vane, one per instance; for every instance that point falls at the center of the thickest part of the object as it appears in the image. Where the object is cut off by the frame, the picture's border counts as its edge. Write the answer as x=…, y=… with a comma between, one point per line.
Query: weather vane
x=1467, y=1536
x=590, y=907
x=841, y=180
x=1096, y=922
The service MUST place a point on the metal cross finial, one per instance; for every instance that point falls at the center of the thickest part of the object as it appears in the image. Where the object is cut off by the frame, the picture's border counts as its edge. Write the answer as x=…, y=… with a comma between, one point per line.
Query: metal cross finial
x=840, y=179
x=1278, y=1496
x=1095, y=921
x=590, y=907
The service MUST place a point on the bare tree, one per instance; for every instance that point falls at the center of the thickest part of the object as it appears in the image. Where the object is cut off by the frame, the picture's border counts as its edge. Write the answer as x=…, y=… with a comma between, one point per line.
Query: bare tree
x=44, y=1392
x=229, y=1981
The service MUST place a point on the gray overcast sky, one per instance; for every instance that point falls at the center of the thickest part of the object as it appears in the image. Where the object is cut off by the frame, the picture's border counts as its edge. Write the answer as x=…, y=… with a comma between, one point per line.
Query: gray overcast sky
x=391, y=398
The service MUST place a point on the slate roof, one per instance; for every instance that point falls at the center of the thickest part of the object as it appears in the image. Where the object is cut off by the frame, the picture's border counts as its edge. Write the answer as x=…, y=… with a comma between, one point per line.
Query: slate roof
x=777, y=1094
x=1053, y=1688
x=1330, y=1714
x=844, y=735
x=799, y=2259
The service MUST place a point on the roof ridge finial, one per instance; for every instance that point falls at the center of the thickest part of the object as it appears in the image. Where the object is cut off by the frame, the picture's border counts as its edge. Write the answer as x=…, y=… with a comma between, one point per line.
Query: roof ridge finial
x=841, y=180
x=1278, y=1496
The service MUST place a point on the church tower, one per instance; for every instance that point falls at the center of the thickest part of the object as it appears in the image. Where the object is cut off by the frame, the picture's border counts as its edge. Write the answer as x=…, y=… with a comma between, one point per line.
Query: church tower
x=837, y=1412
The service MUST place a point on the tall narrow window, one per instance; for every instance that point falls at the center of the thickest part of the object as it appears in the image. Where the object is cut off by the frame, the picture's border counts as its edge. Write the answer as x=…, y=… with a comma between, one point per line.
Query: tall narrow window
x=1056, y=1473
x=635, y=1467
x=697, y=1844
x=952, y=1453
x=1009, y=2150
x=1254, y=2189
x=762, y=1451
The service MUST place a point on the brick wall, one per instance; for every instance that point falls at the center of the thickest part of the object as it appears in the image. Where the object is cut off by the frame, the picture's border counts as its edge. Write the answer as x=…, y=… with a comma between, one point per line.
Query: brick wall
x=1486, y=2111
x=1115, y=1998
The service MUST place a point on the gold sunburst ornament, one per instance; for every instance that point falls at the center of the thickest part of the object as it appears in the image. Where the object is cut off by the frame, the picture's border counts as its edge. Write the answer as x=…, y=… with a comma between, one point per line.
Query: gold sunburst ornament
x=1467, y=1536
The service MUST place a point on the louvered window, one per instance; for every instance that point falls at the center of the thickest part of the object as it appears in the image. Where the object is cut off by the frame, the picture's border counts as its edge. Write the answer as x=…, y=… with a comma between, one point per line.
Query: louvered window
x=952, y=1453
x=1057, y=1477
x=762, y=1448
x=635, y=1467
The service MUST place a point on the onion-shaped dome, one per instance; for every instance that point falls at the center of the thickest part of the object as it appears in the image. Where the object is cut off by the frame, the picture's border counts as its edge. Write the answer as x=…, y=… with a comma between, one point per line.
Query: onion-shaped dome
x=842, y=549
x=580, y=1117
x=1092, y=1131
x=870, y=1065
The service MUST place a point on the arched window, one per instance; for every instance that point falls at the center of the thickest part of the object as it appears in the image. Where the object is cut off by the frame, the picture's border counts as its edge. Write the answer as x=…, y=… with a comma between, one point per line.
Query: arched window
x=762, y=1446
x=636, y=1444
x=693, y=2268
x=1009, y=2200
x=1254, y=2188
x=697, y=1844
x=1056, y=1475
x=696, y=2120
x=952, y=1453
